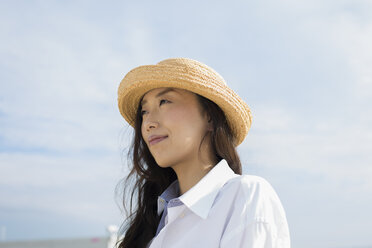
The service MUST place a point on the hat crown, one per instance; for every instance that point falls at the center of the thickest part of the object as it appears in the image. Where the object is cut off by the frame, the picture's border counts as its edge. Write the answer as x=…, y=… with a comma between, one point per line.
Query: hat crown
x=193, y=65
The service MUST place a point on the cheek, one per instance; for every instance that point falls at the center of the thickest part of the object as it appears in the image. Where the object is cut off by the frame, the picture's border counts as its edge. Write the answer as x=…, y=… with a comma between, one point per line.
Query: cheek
x=186, y=123
x=179, y=116
x=142, y=130
x=143, y=133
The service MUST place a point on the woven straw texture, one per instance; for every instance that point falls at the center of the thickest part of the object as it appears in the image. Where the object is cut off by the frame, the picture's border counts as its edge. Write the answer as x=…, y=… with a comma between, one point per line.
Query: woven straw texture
x=185, y=74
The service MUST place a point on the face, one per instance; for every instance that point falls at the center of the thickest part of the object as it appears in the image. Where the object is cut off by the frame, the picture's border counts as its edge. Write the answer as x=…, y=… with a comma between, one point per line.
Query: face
x=174, y=117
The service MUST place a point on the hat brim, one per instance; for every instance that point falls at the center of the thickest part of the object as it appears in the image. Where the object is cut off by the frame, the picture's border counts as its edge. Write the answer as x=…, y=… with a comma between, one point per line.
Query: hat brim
x=142, y=79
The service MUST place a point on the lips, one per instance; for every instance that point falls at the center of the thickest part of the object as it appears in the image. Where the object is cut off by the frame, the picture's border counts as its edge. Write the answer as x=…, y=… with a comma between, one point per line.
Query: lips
x=153, y=139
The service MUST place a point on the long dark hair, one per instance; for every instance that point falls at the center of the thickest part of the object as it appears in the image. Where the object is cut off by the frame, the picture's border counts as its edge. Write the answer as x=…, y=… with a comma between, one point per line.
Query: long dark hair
x=150, y=180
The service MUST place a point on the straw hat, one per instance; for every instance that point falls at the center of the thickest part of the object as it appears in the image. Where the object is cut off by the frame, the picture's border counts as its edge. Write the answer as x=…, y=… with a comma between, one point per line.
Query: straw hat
x=185, y=74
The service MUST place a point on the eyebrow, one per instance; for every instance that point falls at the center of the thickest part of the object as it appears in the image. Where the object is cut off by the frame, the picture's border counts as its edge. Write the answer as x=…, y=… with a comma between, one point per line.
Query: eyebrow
x=159, y=94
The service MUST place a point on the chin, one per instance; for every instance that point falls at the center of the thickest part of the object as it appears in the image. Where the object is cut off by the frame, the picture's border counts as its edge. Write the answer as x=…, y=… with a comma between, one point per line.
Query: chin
x=162, y=162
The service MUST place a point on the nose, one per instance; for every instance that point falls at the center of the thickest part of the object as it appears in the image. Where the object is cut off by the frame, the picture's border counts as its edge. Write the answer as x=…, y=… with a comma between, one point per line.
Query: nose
x=150, y=122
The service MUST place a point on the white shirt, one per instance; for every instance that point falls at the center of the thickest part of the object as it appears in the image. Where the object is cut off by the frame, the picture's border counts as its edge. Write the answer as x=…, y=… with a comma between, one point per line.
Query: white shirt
x=224, y=210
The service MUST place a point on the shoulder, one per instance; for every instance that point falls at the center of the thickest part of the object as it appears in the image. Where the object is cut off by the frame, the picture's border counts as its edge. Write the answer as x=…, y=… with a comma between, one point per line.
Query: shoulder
x=256, y=213
x=251, y=184
x=256, y=197
x=250, y=180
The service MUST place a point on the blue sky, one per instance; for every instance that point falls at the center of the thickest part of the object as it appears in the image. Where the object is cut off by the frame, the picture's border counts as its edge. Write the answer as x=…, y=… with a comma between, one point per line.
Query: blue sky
x=304, y=68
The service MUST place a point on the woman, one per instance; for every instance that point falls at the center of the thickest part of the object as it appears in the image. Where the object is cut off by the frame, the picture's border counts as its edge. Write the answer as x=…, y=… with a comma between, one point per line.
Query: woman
x=188, y=189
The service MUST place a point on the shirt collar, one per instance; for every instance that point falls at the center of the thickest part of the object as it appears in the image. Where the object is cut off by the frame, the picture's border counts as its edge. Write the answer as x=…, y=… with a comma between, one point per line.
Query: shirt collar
x=200, y=197
x=171, y=192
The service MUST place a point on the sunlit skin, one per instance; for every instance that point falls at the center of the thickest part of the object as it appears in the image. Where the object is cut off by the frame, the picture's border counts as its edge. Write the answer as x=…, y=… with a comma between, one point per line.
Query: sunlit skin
x=176, y=113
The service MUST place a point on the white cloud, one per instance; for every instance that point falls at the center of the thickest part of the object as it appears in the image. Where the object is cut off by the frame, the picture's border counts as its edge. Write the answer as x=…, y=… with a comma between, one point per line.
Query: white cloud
x=59, y=92
x=336, y=141
x=345, y=29
x=60, y=126
x=281, y=139
x=81, y=187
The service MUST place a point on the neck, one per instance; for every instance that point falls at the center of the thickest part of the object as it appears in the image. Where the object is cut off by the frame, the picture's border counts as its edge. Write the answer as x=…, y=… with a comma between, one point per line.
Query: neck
x=191, y=172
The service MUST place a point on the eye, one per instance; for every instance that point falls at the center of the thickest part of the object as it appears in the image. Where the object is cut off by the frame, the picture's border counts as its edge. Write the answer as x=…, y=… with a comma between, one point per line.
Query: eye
x=161, y=102
x=143, y=112
x=164, y=101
